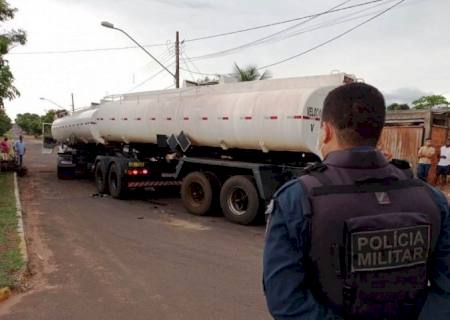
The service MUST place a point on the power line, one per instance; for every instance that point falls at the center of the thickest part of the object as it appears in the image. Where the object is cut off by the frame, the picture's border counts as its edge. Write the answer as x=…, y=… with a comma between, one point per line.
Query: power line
x=318, y=26
x=164, y=57
x=187, y=67
x=201, y=73
x=193, y=39
x=151, y=77
x=341, y=20
x=276, y=23
x=277, y=36
x=183, y=52
x=86, y=50
x=332, y=22
x=265, y=38
x=333, y=38
x=187, y=59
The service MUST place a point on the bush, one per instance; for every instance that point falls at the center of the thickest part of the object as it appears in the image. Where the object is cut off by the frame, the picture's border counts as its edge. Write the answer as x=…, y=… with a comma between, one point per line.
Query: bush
x=30, y=123
x=5, y=122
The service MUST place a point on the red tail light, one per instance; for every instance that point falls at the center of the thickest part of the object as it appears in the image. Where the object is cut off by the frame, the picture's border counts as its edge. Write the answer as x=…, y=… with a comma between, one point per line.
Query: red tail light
x=137, y=172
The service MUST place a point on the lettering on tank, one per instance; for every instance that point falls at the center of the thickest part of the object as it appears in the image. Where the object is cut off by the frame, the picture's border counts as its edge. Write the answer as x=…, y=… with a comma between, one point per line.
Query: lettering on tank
x=389, y=248
x=313, y=113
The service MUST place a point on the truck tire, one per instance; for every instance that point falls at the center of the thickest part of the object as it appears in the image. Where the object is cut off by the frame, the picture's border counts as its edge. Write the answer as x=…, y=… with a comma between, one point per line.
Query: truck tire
x=239, y=200
x=116, y=185
x=197, y=193
x=101, y=177
x=216, y=184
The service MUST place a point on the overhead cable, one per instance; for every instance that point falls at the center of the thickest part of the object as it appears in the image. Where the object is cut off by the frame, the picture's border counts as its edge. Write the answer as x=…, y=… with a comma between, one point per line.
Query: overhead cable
x=151, y=77
x=278, y=23
x=260, y=40
x=278, y=36
x=70, y=51
x=333, y=38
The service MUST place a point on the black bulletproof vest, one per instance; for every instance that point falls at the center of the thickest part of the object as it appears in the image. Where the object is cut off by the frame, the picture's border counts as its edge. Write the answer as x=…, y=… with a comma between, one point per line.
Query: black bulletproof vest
x=372, y=233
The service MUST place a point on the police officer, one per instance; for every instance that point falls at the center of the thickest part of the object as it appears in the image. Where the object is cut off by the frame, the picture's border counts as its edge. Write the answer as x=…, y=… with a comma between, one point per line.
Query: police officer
x=357, y=237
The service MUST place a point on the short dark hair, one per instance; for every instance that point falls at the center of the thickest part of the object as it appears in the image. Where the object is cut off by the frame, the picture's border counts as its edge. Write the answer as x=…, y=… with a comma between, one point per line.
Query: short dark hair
x=357, y=111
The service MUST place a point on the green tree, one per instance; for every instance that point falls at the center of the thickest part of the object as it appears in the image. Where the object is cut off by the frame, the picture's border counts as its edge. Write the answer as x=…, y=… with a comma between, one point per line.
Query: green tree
x=249, y=73
x=49, y=117
x=31, y=123
x=5, y=122
x=397, y=106
x=427, y=102
x=8, y=39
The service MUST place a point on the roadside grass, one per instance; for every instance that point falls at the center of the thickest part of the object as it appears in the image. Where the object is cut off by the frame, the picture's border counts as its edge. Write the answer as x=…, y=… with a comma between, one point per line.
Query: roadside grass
x=10, y=257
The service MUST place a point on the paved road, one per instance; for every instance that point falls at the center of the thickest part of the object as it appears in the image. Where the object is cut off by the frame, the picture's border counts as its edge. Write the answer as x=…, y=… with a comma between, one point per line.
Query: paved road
x=100, y=258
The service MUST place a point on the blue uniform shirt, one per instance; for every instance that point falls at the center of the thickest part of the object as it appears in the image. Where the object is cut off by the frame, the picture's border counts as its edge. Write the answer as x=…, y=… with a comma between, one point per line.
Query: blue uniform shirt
x=19, y=146
x=287, y=294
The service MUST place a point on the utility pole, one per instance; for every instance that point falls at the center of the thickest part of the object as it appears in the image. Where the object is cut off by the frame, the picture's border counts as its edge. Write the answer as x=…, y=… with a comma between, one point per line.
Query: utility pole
x=177, y=60
x=73, y=104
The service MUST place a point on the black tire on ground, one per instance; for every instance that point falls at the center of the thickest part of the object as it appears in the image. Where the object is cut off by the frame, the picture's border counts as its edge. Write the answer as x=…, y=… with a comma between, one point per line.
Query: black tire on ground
x=239, y=200
x=101, y=177
x=216, y=184
x=116, y=185
x=197, y=193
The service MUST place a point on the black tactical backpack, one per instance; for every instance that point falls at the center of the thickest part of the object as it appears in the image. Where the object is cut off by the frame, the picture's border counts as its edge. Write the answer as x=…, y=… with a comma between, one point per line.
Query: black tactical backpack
x=371, y=240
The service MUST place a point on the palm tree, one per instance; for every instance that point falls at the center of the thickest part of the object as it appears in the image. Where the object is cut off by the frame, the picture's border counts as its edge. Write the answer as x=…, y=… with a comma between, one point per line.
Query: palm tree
x=249, y=73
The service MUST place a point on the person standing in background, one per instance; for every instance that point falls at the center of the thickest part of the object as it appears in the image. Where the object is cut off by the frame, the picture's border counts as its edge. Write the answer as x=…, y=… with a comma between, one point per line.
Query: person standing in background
x=443, y=166
x=426, y=153
x=19, y=149
x=4, y=147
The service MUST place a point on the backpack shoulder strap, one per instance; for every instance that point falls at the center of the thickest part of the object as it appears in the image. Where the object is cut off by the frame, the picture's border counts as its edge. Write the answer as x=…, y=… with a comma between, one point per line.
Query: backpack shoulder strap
x=317, y=170
x=373, y=186
x=404, y=167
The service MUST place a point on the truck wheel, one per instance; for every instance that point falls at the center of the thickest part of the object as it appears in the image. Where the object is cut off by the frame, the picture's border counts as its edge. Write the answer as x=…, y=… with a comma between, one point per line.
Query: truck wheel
x=115, y=182
x=239, y=200
x=197, y=193
x=216, y=184
x=100, y=176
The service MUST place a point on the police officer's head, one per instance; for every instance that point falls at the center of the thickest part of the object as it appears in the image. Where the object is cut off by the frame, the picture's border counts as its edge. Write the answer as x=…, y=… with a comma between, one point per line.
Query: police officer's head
x=352, y=116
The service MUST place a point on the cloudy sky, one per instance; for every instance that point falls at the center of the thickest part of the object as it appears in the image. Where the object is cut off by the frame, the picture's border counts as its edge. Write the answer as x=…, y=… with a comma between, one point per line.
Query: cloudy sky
x=405, y=52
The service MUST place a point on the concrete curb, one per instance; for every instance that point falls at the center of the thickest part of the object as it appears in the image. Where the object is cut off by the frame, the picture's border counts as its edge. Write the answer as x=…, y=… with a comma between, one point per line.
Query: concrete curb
x=20, y=228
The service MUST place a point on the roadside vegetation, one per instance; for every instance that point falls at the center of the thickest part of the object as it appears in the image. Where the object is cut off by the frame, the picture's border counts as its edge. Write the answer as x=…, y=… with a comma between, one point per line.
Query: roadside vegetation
x=31, y=123
x=10, y=257
x=249, y=73
x=5, y=122
x=422, y=103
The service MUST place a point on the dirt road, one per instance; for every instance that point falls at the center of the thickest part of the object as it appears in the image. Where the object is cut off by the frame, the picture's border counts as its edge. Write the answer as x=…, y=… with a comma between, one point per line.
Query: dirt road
x=100, y=258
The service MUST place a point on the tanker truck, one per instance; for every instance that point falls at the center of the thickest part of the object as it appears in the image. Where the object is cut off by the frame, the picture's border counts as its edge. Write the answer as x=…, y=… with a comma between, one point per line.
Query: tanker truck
x=227, y=146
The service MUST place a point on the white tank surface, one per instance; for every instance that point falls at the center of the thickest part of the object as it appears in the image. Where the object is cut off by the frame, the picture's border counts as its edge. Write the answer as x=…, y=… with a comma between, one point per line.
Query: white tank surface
x=268, y=115
x=80, y=126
